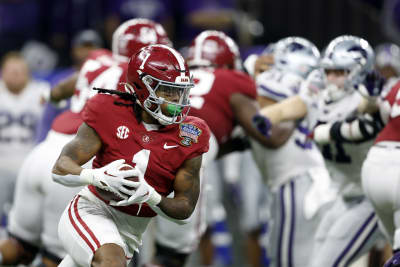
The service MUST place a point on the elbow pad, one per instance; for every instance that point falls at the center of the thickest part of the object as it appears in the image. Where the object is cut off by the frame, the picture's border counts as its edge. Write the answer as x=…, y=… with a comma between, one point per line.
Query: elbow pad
x=356, y=130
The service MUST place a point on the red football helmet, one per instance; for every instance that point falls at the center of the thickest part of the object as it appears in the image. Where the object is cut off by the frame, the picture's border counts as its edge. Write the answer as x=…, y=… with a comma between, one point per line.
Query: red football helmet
x=134, y=34
x=156, y=71
x=213, y=48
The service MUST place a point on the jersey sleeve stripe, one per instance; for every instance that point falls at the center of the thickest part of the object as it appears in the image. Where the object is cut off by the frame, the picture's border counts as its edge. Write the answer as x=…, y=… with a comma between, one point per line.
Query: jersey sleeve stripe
x=265, y=91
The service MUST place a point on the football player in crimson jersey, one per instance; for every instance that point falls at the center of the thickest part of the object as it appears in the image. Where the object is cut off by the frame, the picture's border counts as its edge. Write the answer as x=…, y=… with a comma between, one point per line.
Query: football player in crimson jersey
x=381, y=172
x=223, y=96
x=128, y=38
x=148, y=128
x=39, y=202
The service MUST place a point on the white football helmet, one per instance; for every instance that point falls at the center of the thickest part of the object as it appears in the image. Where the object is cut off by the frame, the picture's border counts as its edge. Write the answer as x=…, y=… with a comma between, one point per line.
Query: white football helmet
x=351, y=54
x=296, y=55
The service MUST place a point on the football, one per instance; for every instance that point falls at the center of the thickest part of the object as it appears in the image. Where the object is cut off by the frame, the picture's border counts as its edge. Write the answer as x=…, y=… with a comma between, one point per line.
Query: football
x=106, y=195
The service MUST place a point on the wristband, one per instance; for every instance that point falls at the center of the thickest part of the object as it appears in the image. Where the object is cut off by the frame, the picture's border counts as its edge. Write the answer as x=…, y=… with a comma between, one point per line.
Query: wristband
x=154, y=199
x=322, y=133
x=262, y=124
x=87, y=176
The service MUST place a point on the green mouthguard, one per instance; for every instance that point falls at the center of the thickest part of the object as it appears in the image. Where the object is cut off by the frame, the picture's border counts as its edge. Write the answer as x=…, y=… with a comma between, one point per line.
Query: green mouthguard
x=174, y=109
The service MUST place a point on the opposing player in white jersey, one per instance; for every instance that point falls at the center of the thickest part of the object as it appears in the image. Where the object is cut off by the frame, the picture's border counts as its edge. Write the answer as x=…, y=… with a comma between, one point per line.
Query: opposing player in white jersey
x=349, y=229
x=20, y=111
x=39, y=202
x=295, y=172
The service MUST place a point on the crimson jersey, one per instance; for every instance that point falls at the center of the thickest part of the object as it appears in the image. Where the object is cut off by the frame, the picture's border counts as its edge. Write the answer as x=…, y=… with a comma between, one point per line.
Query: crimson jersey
x=391, y=132
x=210, y=98
x=159, y=153
x=99, y=70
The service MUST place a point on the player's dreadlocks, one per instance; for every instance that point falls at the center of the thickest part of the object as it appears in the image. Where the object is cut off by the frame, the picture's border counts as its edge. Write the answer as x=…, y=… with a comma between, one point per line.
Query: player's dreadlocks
x=137, y=109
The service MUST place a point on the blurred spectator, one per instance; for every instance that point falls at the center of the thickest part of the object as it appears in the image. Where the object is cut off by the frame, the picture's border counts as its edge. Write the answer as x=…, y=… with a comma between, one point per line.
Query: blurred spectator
x=387, y=60
x=375, y=3
x=391, y=19
x=19, y=22
x=119, y=11
x=20, y=110
x=201, y=15
x=40, y=58
x=62, y=20
x=82, y=44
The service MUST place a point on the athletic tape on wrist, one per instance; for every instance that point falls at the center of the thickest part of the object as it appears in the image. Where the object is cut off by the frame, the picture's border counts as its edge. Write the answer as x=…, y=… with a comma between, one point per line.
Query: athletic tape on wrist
x=155, y=199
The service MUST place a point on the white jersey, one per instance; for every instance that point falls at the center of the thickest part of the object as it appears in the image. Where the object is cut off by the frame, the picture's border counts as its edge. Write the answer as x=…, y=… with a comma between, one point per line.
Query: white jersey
x=99, y=70
x=299, y=154
x=19, y=115
x=344, y=160
x=278, y=85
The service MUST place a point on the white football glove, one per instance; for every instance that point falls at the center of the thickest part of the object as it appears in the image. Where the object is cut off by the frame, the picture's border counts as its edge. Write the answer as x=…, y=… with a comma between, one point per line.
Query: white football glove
x=143, y=193
x=111, y=178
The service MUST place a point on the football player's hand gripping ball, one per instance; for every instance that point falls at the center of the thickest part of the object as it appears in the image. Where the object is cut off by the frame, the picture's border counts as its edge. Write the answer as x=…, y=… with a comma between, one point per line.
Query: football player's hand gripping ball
x=111, y=178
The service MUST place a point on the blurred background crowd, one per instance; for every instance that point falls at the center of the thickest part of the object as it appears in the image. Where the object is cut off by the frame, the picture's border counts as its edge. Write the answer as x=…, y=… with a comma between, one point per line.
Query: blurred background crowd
x=47, y=30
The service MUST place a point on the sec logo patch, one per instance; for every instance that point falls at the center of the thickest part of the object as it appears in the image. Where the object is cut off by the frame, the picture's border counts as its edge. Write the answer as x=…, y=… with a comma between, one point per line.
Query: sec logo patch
x=122, y=132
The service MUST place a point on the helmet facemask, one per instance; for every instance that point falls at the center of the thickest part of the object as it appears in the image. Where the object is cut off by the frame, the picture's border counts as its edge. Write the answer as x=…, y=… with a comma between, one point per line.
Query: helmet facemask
x=167, y=102
x=350, y=54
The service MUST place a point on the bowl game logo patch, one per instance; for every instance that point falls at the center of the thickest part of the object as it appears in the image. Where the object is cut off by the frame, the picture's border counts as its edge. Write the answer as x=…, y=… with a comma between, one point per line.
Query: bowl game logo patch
x=189, y=133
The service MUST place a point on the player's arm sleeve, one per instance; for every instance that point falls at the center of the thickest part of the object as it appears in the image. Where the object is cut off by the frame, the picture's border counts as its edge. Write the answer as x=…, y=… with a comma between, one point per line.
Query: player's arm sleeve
x=70, y=180
x=352, y=130
x=67, y=170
